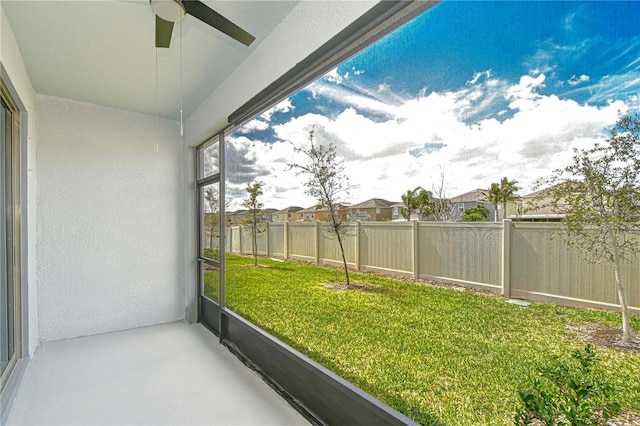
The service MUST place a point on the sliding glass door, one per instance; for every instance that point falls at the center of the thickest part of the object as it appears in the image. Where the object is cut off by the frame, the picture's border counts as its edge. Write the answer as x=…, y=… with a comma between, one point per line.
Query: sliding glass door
x=10, y=335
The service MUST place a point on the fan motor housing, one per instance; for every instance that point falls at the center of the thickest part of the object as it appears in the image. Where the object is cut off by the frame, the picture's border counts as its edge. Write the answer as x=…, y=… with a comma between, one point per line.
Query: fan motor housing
x=169, y=10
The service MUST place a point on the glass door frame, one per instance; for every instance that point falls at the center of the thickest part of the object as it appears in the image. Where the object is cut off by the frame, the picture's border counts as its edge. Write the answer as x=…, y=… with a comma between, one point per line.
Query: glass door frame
x=11, y=169
x=209, y=310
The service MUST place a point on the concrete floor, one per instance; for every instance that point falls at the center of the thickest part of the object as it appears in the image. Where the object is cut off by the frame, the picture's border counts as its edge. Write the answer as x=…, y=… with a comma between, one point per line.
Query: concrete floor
x=168, y=374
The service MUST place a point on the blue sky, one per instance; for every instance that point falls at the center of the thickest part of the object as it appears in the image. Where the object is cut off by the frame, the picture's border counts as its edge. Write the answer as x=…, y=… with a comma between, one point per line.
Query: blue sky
x=479, y=89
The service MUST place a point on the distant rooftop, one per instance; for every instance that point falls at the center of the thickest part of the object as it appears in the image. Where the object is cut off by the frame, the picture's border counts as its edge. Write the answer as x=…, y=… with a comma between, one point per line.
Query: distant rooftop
x=373, y=203
x=290, y=209
x=476, y=195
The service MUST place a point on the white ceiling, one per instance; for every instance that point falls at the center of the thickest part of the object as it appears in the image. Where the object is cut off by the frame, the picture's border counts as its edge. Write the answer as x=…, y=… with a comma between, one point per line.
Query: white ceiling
x=103, y=51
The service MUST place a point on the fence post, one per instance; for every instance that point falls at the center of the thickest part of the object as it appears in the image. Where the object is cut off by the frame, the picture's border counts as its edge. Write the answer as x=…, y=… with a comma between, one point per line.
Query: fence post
x=317, y=242
x=267, y=232
x=414, y=250
x=286, y=240
x=357, y=250
x=506, y=257
x=239, y=239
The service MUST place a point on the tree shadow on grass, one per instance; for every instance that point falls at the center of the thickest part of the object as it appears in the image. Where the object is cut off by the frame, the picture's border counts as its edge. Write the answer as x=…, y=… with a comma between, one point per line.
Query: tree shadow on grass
x=371, y=288
x=284, y=267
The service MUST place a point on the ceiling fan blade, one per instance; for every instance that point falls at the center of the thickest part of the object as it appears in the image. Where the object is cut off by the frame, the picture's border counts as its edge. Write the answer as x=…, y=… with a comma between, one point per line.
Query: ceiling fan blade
x=163, y=32
x=209, y=16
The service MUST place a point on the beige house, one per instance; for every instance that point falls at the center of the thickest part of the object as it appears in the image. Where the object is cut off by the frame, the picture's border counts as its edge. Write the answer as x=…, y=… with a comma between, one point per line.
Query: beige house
x=373, y=210
x=307, y=215
x=318, y=213
x=323, y=213
x=235, y=218
x=286, y=215
x=239, y=217
x=536, y=207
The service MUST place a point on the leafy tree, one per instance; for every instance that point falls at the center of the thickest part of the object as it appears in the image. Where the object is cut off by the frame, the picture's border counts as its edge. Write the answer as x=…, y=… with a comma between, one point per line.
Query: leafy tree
x=327, y=182
x=599, y=194
x=211, y=217
x=255, y=216
x=476, y=214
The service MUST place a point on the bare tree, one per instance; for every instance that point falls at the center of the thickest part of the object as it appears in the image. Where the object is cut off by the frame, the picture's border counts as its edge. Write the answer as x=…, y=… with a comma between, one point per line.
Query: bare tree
x=443, y=209
x=327, y=182
x=255, y=216
x=599, y=194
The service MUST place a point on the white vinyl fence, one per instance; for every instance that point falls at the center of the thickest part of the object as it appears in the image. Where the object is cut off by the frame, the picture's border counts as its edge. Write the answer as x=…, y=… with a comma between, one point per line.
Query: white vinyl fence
x=521, y=260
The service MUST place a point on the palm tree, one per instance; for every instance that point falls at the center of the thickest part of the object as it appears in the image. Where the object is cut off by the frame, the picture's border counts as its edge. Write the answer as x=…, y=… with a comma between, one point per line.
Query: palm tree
x=409, y=200
x=507, y=190
x=502, y=192
x=494, y=196
x=423, y=202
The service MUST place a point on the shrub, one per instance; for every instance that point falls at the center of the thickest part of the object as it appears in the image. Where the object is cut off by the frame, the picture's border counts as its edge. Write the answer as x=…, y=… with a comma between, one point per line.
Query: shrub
x=212, y=253
x=569, y=392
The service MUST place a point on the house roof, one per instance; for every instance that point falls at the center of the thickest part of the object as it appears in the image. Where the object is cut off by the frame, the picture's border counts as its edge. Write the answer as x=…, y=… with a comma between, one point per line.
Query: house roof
x=373, y=203
x=340, y=206
x=319, y=208
x=476, y=195
x=541, y=191
x=290, y=209
x=311, y=209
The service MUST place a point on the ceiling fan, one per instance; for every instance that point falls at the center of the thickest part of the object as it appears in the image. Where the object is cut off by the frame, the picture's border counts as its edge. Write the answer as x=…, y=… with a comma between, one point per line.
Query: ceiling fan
x=170, y=11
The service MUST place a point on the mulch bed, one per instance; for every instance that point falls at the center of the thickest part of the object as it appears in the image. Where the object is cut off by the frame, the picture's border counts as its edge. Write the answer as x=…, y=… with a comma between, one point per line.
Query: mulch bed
x=602, y=335
x=625, y=419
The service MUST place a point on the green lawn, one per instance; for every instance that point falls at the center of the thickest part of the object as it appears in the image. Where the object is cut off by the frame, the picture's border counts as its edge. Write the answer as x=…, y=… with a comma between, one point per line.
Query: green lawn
x=437, y=355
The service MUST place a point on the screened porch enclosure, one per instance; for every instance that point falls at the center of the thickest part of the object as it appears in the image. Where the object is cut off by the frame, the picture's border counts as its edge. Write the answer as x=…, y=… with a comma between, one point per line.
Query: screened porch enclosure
x=108, y=299
x=125, y=172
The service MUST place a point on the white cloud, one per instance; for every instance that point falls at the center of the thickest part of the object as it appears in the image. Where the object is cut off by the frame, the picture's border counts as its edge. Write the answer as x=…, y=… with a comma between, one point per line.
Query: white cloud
x=334, y=76
x=282, y=106
x=533, y=136
x=380, y=100
x=486, y=74
x=526, y=88
x=574, y=81
x=253, y=125
x=297, y=129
